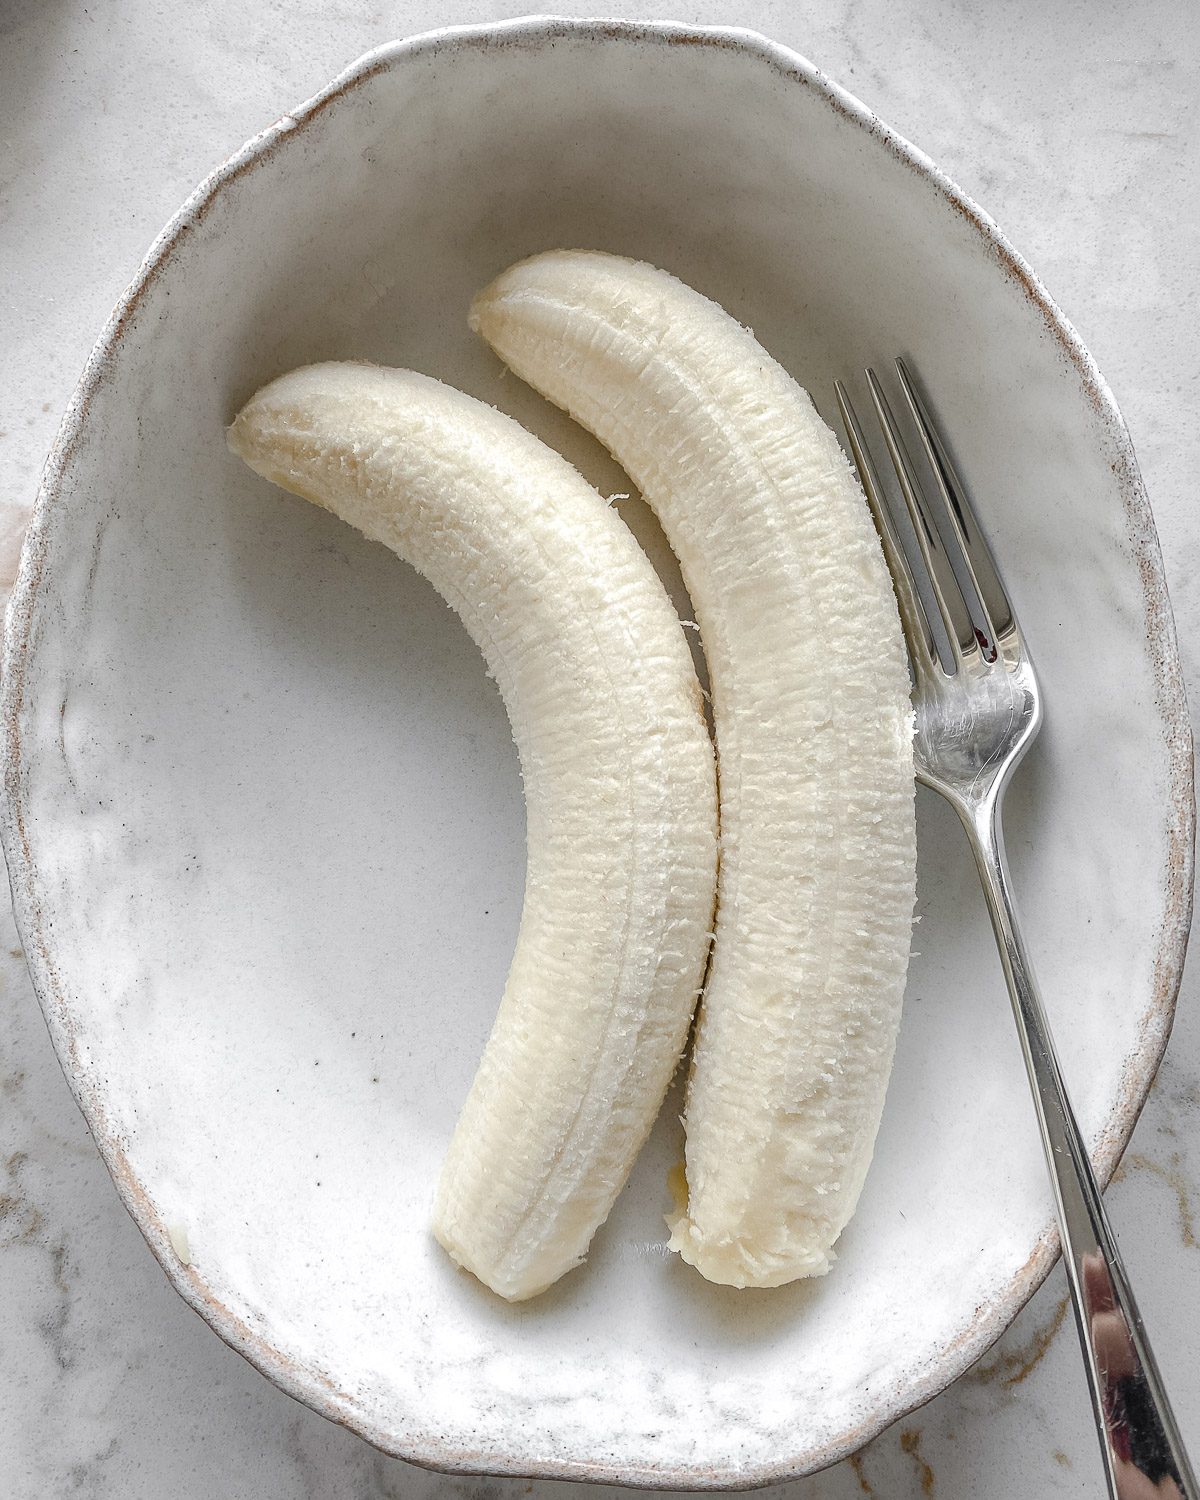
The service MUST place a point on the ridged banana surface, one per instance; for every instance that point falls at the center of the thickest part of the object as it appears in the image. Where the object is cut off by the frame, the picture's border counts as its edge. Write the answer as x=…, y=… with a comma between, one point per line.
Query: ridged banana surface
x=619, y=784
x=814, y=737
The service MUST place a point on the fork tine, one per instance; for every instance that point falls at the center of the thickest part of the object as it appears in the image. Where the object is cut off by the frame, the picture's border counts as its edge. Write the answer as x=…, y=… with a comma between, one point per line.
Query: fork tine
x=999, y=618
x=915, y=622
x=956, y=617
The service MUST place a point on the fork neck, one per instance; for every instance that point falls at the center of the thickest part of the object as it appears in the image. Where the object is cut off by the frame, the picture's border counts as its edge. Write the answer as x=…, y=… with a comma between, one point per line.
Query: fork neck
x=978, y=810
x=980, y=815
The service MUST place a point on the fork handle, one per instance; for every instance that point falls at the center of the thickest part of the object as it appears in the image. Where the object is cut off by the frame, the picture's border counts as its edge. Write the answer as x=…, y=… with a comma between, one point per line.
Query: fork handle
x=1143, y=1452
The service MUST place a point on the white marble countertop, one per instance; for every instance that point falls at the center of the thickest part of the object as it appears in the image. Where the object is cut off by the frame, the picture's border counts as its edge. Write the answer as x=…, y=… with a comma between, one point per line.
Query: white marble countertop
x=1077, y=125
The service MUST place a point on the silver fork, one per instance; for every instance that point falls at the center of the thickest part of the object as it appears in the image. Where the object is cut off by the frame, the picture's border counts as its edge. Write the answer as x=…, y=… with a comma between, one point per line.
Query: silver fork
x=978, y=709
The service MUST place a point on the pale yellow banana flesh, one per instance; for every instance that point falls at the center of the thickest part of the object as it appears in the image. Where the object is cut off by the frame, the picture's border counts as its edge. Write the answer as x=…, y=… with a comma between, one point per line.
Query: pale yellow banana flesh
x=619, y=782
x=814, y=733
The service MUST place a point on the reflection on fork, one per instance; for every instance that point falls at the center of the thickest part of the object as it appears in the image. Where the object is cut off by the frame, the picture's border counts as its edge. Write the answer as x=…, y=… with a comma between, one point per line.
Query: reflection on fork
x=978, y=709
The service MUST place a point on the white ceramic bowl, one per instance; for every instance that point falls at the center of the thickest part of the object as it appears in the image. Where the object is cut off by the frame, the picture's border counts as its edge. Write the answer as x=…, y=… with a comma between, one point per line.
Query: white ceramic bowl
x=263, y=816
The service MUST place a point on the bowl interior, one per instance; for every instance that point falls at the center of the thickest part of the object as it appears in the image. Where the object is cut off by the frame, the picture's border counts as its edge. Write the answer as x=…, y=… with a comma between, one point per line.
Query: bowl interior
x=273, y=826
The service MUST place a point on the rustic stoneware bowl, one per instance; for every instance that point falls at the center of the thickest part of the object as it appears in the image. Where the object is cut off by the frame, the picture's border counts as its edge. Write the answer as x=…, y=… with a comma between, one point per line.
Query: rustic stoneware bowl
x=263, y=816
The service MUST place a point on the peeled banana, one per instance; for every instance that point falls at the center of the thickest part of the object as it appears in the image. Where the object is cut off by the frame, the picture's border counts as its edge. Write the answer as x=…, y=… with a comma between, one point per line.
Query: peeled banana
x=619, y=783
x=814, y=736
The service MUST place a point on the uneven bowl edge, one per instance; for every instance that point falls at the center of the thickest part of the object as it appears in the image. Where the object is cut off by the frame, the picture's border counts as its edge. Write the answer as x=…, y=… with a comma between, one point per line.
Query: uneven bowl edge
x=312, y=1386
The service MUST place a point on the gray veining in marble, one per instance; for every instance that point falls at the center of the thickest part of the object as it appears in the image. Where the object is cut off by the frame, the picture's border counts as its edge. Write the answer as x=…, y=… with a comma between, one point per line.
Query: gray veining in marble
x=1078, y=127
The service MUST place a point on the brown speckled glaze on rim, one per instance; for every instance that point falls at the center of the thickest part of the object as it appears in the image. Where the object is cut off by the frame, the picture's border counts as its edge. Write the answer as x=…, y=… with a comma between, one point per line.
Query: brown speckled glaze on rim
x=308, y=1383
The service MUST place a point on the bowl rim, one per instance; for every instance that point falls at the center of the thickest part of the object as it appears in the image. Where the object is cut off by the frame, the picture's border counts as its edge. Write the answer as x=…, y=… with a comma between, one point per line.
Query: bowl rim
x=312, y=1385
